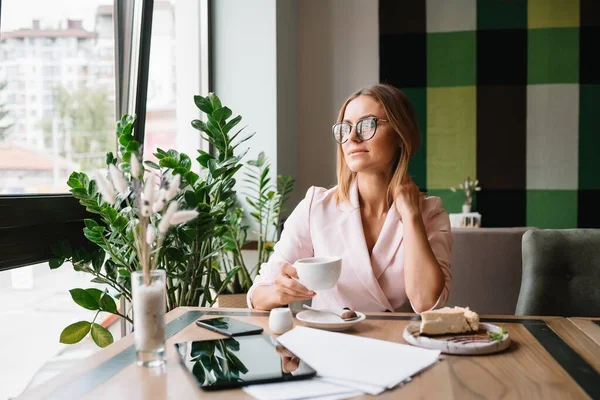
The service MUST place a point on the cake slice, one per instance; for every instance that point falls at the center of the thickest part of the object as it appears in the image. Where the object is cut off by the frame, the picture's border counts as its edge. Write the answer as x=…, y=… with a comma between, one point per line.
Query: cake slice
x=449, y=320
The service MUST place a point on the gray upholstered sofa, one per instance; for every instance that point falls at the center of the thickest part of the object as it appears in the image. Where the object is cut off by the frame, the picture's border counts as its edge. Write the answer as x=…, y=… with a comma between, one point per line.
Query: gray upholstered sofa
x=561, y=273
x=486, y=269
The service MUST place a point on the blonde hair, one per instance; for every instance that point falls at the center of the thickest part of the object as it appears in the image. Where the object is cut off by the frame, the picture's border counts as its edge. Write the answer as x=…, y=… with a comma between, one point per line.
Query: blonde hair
x=402, y=118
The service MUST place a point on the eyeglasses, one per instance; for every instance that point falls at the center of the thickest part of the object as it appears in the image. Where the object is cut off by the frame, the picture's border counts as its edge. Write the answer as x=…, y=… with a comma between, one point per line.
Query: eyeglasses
x=365, y=129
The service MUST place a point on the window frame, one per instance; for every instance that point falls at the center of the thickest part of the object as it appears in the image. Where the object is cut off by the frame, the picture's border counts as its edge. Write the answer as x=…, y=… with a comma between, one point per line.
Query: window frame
x=30, y=223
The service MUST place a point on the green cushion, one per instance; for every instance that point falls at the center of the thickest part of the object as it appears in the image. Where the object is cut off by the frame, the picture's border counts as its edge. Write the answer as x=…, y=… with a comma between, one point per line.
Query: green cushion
x=561, y=273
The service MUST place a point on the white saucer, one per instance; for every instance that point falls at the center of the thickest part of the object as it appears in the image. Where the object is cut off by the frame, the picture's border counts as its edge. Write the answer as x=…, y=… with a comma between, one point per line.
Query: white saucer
x=330, y=322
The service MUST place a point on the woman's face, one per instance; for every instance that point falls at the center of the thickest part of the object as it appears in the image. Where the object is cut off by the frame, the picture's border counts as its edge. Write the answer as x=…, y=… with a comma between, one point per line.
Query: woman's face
x=378, y=154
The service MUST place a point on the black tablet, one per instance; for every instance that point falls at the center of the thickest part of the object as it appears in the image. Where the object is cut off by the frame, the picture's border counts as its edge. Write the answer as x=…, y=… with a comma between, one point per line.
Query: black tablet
x=241, y=361
x=229, y=326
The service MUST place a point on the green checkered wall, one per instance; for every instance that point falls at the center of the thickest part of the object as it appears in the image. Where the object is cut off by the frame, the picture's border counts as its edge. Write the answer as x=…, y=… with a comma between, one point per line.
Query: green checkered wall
x=507, y=91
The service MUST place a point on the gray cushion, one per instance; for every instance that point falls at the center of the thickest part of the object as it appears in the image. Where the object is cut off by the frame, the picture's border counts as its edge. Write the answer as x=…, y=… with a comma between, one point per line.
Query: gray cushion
x=486, y=269
x=561, y=273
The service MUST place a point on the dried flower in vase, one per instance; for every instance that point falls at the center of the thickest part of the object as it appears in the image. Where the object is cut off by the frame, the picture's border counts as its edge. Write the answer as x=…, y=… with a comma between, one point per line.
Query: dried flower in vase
x=468, y=187
x=153, y=208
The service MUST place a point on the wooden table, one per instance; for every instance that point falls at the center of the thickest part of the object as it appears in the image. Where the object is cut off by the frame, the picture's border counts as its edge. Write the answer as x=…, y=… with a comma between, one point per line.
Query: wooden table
x=550, y=358
x=589, y=326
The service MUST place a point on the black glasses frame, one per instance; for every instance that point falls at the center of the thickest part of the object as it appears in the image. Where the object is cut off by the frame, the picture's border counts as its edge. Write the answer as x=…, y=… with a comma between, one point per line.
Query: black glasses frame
x=358, y=128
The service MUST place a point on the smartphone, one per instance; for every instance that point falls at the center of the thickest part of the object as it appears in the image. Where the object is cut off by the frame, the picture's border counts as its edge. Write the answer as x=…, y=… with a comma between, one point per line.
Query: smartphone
x=229, y=326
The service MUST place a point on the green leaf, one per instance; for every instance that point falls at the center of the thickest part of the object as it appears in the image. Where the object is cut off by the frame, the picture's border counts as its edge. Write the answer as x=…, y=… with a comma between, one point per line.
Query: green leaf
x=250, y=136
x=75, y=332
x=191, y=177
x=204, y=104
x=152, y=164
x=204, y=158
x=108, y=304
x=101, y=336
x=90, y=223
x=222, y=114
x=200, y=125
x=124, y=273
x=111, y=215
x=228, y=126
x=95, y=293
x=110, y=158
x=111, y=269
x=98, y=259
x=133, y=146
x=169, y=162
x=79, y=192
x=128, y=127
x=176, y=254
x=120, y=223
x=56, y=262
x=214, y=101
x=74, y=183
x=190, y=198
x=185, y=161
x=84, y=299
x=125, y=139
x=228, y=279
x=179, y=171
x=101, y=280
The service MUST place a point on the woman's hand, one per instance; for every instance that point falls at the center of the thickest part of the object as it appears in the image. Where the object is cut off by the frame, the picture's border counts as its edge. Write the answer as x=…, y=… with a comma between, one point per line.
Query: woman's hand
x=287, y=289
x=408, y=200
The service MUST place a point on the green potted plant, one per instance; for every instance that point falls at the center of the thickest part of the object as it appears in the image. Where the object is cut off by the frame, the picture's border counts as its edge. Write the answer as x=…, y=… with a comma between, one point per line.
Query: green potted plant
x=188, y=252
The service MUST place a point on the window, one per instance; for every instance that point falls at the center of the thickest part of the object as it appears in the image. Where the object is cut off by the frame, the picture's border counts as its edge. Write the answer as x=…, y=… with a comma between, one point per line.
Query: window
x=38, y=151
x=83, y=113
x=175, y=76
x=48, y=140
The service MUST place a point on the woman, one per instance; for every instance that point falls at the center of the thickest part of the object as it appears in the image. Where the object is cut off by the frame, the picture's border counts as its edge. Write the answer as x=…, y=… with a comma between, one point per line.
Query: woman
x=394, y=242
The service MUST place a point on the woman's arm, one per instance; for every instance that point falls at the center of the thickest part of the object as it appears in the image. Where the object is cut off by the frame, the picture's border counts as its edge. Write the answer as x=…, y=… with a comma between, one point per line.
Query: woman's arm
x=426, y=275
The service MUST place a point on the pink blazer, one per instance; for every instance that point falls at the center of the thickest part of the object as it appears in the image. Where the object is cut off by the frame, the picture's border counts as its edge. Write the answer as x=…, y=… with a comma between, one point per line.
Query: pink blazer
x=320, y=227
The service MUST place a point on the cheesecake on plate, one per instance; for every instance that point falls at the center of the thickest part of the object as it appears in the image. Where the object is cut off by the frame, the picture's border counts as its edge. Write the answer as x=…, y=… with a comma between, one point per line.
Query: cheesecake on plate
x=449, y=320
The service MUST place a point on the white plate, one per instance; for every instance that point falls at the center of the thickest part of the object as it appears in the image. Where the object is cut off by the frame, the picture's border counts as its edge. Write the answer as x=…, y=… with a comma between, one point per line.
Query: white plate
x=452, y=344
x=330, y=322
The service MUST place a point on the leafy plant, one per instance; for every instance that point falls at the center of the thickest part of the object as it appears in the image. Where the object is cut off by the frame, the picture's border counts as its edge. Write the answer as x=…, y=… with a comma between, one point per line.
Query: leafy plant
x=189, y=252
x=266, y=201
x=95, y=300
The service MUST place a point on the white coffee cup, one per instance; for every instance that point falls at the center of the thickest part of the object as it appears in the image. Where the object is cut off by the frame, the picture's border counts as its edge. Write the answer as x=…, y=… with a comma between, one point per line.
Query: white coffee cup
x=280, y=320
x=319, y=273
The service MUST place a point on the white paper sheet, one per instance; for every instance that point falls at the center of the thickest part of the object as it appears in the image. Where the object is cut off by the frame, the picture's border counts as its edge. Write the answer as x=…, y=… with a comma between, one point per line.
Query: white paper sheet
x=363, y=387
x=358, y=359
x=302, y=389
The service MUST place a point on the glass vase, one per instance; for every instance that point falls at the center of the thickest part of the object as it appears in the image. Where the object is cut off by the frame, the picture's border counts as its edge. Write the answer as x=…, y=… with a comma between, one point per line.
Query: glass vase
x=149, y=308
